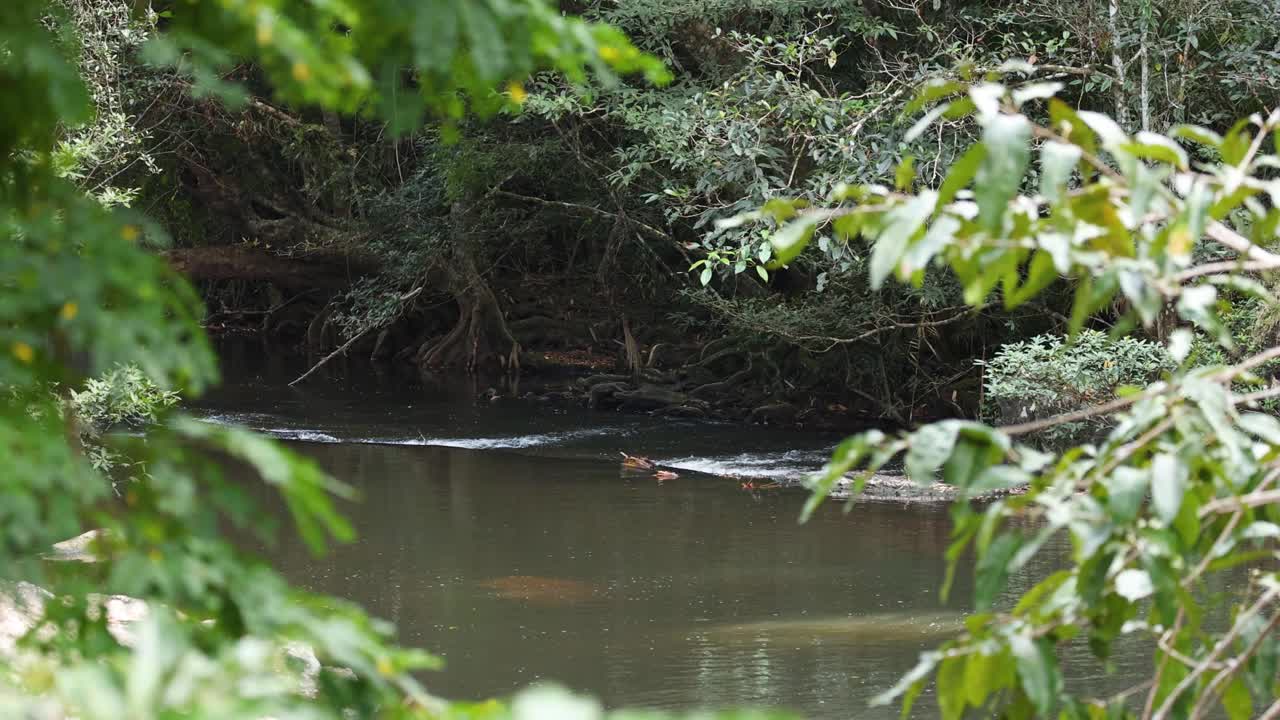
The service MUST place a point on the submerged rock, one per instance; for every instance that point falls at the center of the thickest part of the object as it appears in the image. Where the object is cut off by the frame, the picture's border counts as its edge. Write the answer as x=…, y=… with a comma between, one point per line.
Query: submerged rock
x=543, y=590
x=649, y=397
x=22, y=607
x=900, y=487
x=854, y=629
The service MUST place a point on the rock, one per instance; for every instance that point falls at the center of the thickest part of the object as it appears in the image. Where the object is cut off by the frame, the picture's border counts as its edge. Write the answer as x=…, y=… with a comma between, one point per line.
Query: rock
x=649, y=397
x=22, y=606
x=603, y=378
x=78, y=548
x=900, y=487
x=775, y=414
x=657, y=377
x=605, y=394
x=545, y=591
x=682, y=411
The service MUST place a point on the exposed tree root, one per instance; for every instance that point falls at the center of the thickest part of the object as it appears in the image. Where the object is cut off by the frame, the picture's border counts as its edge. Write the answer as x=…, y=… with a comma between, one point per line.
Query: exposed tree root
x=480, y=339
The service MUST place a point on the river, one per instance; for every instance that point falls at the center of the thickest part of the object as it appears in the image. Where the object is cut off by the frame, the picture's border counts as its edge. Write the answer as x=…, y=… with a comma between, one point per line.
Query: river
x=504, y=536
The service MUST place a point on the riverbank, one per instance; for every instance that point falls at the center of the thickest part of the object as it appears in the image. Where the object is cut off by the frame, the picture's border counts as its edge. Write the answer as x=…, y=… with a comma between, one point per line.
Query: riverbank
x=544, y=414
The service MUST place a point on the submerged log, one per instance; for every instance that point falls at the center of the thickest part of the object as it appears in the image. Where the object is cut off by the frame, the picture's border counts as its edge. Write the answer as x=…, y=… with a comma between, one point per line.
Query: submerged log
x=604, y=394
x=650, y=397
x=774, y=414
x=238, y=262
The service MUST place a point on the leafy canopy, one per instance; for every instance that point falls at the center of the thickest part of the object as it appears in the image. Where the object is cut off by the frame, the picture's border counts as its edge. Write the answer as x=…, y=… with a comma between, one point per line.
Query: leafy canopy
x=1180, y=496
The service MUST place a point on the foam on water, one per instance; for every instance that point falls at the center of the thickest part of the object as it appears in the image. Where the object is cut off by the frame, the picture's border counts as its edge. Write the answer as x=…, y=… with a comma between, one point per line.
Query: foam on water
x=790, y=465
x=779, y=465
x=515, y=442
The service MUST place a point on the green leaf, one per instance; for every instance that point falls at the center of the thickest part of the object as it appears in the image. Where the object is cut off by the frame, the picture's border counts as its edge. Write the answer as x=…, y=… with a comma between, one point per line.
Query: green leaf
x=435, y=33
x=1133, y=584
x=993, y=570
x=999, y=477
x=931, y=445
x=1142, y=295
x=905, y=175
x=550, y=702
x=762, y=272
x=1038, y=671
x=917, y=129
x=848, y=455
x=1108, y=131
x=783, y=209
x=950, y=681
x=941, y=233
x=485, y=40
x=1040, y=274
x=962, y=173
x=1266, y=427
x=705, y=277
x=1165, y=582
x=1237, y=701
x=1126, y=489
x=901, y=225
x=1093, y=293
x=1169, y=485
x=923, y=668
x=932, y=90
x=1035, y=91
x=790, y=240
x=981, y=672
x=1057, y=161
x=1158, y=148
x=1006, y=138
x=1197, y=134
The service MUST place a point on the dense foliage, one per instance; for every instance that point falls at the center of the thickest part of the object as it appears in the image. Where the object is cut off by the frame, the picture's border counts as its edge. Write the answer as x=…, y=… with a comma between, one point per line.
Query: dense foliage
x=616, y=188
x=1046, y=376
x=1178, y=498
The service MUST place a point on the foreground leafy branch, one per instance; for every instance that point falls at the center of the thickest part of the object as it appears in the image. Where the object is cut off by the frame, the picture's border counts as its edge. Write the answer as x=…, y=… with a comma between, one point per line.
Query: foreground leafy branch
x=1179, y=499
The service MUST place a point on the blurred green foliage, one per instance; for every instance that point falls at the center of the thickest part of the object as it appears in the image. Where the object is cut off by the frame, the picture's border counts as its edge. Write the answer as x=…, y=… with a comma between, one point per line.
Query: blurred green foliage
x=83, y=295
x=1176, y=494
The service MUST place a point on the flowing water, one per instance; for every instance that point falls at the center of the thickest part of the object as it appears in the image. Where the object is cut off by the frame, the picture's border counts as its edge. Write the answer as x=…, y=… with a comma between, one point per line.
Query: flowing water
x=504, y=537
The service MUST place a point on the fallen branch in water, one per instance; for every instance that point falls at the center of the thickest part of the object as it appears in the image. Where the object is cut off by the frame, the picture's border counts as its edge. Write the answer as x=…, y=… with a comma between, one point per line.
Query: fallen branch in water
x=350, y=342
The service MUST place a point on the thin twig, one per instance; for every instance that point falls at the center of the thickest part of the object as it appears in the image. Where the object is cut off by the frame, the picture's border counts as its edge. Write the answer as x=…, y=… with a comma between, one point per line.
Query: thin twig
x=1074, y=416
x=576, y=207
x=1218, y=649
x=1232, y=667
x=1150, y=702
x=350, y=342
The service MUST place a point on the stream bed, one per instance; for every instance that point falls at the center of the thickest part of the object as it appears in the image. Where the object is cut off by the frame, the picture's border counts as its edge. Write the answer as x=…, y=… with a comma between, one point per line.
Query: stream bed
x=504, y=537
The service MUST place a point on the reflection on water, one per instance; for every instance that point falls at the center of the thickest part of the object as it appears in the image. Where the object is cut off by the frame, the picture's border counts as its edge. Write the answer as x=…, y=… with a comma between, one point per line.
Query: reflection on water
x=690, y=593
x=519, y=568
x=543, y=562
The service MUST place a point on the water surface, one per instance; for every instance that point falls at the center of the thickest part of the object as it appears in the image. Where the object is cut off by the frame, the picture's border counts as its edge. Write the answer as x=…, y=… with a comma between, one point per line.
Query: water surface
x=505, y=537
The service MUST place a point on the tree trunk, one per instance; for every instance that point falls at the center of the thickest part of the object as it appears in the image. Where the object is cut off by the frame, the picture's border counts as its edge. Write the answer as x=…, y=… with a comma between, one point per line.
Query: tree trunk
x=480, y=340
x=1145, y=52
x=1117, y=65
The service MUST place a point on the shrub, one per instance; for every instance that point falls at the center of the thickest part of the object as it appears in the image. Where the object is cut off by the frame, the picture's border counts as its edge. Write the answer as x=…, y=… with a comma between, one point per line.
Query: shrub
x=124, y=397
x=1048, y=375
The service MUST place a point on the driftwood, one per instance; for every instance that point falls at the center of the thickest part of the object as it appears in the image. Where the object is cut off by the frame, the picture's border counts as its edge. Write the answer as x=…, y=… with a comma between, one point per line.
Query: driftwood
x=238, y=262
x=349, y=343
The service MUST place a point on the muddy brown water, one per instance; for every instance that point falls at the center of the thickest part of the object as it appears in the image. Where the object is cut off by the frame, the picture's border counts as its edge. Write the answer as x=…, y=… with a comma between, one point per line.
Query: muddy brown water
x=503, y=537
